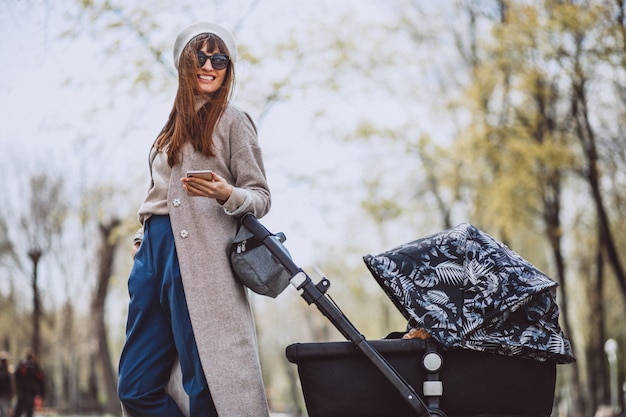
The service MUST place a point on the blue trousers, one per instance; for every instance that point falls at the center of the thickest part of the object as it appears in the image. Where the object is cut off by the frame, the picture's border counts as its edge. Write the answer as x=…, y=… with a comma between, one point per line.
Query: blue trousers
x=157, y=331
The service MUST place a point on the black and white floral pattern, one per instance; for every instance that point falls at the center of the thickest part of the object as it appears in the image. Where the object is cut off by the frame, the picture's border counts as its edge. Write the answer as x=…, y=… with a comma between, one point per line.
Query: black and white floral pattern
x=470, y=291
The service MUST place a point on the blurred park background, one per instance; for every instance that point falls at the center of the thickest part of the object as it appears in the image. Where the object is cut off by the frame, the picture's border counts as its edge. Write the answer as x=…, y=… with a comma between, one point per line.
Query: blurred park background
x=381, y=122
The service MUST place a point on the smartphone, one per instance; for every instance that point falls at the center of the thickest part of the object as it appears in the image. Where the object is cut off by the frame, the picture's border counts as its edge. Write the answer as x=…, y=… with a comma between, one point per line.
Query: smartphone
x=206, y=174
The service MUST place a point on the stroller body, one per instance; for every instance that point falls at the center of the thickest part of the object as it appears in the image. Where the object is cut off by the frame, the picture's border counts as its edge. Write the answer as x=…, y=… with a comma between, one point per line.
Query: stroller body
x=494, y=336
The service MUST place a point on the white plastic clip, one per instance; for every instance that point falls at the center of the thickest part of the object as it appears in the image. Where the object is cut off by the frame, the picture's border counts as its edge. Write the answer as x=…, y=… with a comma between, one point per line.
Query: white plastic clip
x=298, y=279
x=433, y=388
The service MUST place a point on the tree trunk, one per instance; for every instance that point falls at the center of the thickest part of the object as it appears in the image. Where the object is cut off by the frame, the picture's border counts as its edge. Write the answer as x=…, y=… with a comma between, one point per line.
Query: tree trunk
x=35, y=256
x=434, y=186
x=587, y=138
x=552, y=213
x=597, y=370
x=105, y=267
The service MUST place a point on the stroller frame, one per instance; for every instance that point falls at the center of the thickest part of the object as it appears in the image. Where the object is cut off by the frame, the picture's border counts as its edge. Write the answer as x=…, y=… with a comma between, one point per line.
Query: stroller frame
x=316, y=294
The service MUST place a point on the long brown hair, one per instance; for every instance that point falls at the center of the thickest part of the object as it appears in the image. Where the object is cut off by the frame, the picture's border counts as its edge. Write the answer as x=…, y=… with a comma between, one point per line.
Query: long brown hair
x=185, y=123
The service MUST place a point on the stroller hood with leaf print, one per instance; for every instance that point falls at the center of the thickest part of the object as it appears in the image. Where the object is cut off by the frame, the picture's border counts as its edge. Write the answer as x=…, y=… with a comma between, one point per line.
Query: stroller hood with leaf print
x=470, y=291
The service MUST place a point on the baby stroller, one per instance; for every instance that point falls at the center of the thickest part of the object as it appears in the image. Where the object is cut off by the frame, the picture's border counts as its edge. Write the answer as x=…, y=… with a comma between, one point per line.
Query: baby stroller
x=493, y=339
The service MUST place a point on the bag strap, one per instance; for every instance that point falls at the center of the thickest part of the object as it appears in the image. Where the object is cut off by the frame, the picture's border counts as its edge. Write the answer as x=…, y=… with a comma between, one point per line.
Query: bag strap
x=253, y=241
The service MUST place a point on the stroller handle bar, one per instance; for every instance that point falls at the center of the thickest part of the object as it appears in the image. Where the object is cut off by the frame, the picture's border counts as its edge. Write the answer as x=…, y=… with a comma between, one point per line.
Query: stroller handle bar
x=315, y=294
x=261, y=233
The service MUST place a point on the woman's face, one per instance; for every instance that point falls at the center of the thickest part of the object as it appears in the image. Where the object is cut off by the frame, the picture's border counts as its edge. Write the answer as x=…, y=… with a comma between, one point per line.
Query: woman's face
x=210, y=79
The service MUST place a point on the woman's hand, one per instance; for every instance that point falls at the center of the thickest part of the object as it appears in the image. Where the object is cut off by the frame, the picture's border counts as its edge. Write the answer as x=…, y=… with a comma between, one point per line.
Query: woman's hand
x=135, y=248
x=218, y=188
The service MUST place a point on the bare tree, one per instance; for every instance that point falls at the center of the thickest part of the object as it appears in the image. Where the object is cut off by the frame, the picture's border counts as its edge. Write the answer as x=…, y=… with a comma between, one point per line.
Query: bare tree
x=42, y=224
x=109, y=240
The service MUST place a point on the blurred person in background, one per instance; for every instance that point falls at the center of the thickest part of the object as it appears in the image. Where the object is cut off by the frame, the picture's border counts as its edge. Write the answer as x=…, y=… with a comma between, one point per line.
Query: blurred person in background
x=7, y=385
x=29, y=383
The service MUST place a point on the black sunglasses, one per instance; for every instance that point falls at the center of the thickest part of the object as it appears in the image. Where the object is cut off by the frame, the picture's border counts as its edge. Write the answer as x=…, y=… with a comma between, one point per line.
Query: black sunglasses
x=218, y=61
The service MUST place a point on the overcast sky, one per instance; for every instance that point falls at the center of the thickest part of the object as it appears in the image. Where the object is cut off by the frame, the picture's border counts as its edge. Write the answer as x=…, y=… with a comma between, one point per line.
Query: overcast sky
x=62, y=108
x=58, y=101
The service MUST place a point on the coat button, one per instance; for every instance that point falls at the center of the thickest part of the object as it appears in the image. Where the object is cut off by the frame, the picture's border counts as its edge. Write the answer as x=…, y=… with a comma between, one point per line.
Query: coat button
x=184, y=233
x=176, y=202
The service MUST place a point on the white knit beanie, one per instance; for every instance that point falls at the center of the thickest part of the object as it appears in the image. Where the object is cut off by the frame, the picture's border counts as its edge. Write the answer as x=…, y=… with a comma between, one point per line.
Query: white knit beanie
x=199, y=28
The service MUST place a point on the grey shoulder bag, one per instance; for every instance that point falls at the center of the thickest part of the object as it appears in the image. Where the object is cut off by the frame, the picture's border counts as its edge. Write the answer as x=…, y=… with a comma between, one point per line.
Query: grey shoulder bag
x=255, y=266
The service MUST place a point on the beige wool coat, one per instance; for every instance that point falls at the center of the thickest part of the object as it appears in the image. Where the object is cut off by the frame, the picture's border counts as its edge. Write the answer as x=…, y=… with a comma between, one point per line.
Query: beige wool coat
x=218, y=305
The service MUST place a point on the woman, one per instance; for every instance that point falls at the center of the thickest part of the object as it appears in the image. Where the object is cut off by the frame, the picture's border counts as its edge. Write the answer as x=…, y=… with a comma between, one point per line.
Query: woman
x=184, y=301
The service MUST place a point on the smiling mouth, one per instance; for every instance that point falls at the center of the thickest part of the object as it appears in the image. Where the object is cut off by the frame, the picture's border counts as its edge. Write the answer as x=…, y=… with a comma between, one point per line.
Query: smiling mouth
x=206, y=77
